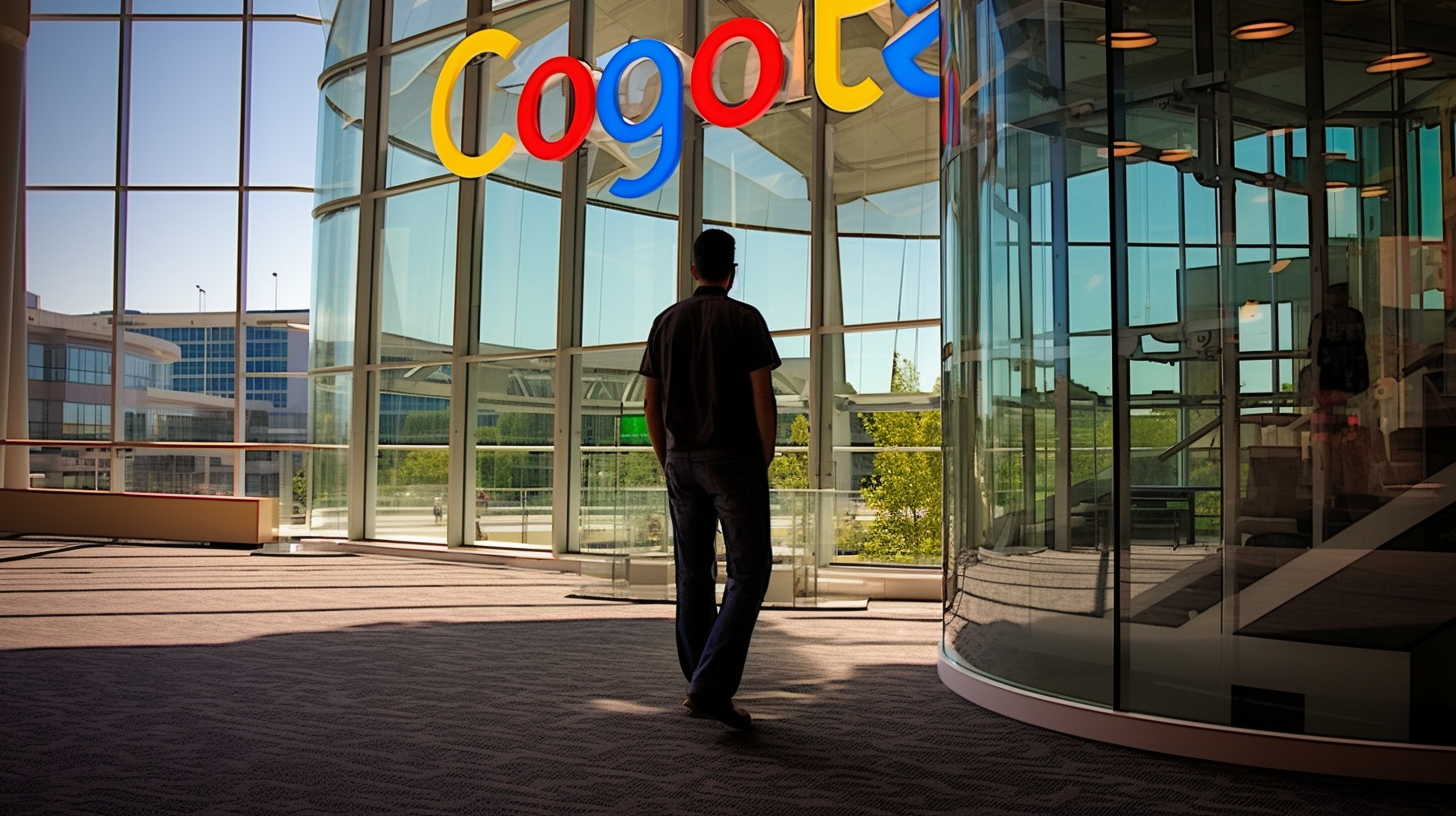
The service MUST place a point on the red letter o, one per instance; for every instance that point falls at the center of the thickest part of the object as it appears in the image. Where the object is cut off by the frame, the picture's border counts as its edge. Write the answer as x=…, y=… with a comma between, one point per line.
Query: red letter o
x=583, y=108
x=770, y=76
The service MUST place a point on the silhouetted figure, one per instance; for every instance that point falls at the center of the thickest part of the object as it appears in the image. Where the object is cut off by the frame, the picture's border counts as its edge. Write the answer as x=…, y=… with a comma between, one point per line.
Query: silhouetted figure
x=712, y=420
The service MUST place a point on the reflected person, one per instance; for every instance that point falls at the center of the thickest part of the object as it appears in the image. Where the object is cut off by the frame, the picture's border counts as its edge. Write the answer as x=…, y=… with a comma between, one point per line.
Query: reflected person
x=712, y=420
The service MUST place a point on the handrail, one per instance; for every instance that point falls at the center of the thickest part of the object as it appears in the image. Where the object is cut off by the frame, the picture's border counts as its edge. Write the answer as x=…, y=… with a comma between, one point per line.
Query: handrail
x=107, y=445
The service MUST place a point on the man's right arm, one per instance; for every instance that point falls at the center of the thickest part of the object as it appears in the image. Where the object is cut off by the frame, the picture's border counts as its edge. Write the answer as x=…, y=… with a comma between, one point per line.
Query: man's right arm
x=765, y=410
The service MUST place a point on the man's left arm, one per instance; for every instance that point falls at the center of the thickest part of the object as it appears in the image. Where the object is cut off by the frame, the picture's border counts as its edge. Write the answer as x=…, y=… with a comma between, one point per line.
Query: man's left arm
x=652, y=407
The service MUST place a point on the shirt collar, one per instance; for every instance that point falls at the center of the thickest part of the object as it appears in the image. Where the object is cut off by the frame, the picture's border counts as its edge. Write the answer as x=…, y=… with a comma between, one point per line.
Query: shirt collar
x=710, y=291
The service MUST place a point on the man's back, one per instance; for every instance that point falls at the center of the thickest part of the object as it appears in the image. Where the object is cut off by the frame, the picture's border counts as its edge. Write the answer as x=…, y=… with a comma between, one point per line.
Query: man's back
x=702, y=350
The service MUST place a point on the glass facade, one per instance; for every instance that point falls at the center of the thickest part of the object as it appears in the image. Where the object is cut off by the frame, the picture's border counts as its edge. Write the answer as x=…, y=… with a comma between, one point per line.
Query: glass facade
x=1198, y=306
x=169, y=179
x=507, y=312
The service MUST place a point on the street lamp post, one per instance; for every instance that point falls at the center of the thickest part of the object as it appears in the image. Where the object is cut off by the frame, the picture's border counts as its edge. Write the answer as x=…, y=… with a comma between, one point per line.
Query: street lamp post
x=275, y=291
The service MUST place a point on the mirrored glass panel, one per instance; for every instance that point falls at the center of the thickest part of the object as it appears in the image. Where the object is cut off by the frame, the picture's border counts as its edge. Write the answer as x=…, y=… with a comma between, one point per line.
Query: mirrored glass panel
x=417, y=274
x=419, y=16
x=412, y=76
x=325, y=493
x=335, y=270
x=340, y=138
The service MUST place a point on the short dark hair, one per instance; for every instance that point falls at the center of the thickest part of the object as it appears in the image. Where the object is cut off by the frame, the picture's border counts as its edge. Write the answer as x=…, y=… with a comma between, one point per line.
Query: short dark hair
x=713, y=254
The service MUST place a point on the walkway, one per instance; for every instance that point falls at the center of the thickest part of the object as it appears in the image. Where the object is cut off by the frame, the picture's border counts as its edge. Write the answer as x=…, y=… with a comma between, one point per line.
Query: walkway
x=140, y=679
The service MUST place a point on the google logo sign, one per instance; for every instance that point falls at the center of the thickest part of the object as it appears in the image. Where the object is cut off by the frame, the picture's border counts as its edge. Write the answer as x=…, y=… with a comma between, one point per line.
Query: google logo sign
x=597, y=99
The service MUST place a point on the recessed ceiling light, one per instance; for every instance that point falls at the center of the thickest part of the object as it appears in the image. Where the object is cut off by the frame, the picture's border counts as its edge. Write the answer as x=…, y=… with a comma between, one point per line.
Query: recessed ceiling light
x=1373, y=192
x=1173, y=155
x=1398, y=62
x=1263, y=30
x=1128, y=39
x=1121, y=149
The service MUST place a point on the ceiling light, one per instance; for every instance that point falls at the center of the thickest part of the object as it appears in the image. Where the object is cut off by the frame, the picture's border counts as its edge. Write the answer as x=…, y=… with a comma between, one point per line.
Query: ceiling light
x=1128, y=39
x=1121, y=148
x=1336, y=155
x=1398, y=62
x=1373, y=192
x=1263, y=30
x=1173, y=155
x=1249, y=311
x=1279, y=266
x=1336, y=185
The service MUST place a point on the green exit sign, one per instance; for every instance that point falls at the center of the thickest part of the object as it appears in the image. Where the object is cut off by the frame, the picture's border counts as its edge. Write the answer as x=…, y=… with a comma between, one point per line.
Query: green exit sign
x=633, y=430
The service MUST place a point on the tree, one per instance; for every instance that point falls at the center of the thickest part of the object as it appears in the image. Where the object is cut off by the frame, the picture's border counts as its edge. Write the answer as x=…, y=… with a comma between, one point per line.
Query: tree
x=905, y=488
x=790, y=471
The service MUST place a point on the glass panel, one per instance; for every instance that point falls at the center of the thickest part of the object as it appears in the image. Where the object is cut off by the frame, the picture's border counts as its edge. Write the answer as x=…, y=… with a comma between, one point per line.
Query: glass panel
x=347, y=29
x=275, y=354
x=630, y=275
x=340, y=137
x=413, y=463
x=284, y=108
x=187, y=7
x=68, y=468
x=326, y=495
x=335, y=258
x=623, y=508
x=886, y=394
x=412, y=75
x=280, y=239
x=185, y=86
x=887, y=191
x=1030, y=293
x=307, y=8
x=515, y=401
x=417, y=283
x=72, y=7
x=194, y=474
x=182, y=252
x=70, y=241
x=71, y=83
x=418, y=16
x=520, y=261
x=764, y=203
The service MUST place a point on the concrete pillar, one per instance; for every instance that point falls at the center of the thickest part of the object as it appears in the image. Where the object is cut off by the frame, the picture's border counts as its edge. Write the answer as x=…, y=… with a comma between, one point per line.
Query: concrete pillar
x=14, y=31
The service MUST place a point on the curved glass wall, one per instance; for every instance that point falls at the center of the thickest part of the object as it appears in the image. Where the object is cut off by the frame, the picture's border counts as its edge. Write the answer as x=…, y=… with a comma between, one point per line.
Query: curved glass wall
x=490, y=363
x=1199, y=304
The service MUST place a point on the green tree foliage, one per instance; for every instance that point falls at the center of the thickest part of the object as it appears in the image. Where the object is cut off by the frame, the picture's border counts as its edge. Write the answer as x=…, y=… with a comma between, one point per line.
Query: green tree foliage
x=905, y=488
x=790, y=470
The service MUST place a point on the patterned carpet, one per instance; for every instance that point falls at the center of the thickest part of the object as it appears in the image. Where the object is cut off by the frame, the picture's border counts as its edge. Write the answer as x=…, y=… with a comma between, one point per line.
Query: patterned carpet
x=171, y=680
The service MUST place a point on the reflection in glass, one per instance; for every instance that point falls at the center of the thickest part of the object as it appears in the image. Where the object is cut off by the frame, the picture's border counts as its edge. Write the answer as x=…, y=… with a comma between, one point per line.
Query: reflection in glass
x=416, y=17
x=340, y=137
x=70, y=113
x=412, y=468
x=346, y=27
x=630, y=275
x=417, y=280
x=185, y=81
x=515, y=403
x=412, y=74
x=335, y=260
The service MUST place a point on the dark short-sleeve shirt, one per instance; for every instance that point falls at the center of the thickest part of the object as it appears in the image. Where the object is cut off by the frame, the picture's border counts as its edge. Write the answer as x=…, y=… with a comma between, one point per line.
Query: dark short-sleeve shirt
x=702, y=350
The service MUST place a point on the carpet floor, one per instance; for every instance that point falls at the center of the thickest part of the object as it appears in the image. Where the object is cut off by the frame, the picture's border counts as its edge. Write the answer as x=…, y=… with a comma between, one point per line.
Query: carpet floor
x=146, y=679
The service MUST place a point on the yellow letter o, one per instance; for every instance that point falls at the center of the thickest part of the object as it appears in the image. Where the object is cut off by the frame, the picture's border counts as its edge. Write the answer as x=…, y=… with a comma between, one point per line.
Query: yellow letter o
x=489, y=41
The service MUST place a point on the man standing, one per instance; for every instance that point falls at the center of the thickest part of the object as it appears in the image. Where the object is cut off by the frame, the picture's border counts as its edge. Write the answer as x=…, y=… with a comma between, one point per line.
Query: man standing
x=712, y=420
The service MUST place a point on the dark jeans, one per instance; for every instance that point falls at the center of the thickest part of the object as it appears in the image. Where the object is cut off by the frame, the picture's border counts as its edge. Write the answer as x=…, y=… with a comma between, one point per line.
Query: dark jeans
x=705, y=488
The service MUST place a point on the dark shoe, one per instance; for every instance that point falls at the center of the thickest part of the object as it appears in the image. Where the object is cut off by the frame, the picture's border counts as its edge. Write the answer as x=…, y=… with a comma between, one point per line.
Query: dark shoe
x=721, y=710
